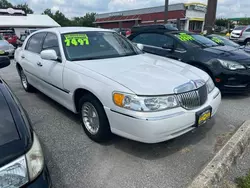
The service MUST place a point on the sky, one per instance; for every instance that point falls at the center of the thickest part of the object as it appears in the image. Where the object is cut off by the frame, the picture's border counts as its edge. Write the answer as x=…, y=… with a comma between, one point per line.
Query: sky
x=72, y=8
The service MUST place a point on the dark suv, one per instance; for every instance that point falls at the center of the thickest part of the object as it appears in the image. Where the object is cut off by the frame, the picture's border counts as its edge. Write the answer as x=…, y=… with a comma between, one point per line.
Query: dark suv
x=155, y=27
x=228, y=66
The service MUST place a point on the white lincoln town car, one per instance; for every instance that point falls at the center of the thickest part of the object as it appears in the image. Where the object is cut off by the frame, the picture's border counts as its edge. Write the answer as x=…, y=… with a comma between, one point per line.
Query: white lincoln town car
x=114, y=86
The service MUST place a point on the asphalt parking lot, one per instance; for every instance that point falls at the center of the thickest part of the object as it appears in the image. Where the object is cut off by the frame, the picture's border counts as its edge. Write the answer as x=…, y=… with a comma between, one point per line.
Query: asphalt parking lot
x=76, y=161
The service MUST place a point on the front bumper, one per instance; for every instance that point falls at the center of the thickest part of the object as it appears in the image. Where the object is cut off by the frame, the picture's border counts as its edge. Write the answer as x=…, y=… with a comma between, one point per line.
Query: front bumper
x=42, y=181
x=237, y=39
x=233, y=81
x=157, y=127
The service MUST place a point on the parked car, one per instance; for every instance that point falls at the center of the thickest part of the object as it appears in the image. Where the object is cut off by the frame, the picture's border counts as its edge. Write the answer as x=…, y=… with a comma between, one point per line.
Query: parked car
x=6, y=48
x=21, y=157
x=241, y=34
x=21, y=39
x=10, y=36
x=228, y=66
x=123, y=31
x=225, y=41
x=154, y=27
x=114, y=86
x=29, y=31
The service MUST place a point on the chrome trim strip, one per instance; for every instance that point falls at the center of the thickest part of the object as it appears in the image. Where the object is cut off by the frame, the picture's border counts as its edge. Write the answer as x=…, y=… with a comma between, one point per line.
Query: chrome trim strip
x=216, y=95
x=150, y=118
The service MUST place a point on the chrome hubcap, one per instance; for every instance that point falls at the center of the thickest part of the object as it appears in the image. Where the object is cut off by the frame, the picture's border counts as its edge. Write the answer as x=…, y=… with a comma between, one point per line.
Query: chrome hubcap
x=90, y=118
x=24, y=80
x=248, y=43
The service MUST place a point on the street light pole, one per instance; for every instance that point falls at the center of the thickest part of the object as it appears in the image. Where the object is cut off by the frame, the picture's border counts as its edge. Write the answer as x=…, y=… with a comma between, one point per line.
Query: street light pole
x=210, y=16
x=166, y=12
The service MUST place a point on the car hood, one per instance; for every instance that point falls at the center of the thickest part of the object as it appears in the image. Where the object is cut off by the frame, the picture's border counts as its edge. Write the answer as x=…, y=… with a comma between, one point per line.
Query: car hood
x=146, y=74
x=228, y=53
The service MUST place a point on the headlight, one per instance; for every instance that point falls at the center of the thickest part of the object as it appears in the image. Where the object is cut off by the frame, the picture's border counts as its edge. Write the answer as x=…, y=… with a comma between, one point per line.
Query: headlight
x=231, y=65
x=145, y=104
x=35, y=159
x=210, y=85
x=14, y=174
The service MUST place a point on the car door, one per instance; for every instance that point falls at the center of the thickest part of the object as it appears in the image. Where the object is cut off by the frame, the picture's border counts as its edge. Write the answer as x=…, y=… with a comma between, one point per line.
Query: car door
x=51, y=71
x=30, y=58
x=157, y=43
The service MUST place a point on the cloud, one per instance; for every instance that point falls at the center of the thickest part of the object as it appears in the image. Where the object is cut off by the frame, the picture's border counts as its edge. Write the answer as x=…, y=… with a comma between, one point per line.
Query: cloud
x=71, y=8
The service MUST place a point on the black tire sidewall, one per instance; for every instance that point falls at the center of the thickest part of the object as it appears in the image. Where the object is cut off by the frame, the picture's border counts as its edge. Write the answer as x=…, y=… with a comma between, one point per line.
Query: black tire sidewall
x=104, y=132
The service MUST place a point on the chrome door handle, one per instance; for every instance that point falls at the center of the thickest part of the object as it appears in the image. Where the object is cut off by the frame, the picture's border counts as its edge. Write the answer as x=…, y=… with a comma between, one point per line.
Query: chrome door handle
x=39, y=64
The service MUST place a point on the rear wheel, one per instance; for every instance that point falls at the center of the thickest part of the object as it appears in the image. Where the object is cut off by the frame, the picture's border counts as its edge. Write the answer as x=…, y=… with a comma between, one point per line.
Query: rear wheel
x=94, y=120
x=27, y=87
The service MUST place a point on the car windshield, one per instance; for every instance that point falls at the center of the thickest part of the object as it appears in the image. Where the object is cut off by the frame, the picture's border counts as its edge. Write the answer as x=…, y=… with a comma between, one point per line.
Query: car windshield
x=195, y=40
x=239, y=28
x=96, y=45
x=223, y=41
x=23, y=37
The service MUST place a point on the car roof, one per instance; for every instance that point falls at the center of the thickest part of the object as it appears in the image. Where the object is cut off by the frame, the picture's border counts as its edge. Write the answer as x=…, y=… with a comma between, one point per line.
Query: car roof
x=62, y=30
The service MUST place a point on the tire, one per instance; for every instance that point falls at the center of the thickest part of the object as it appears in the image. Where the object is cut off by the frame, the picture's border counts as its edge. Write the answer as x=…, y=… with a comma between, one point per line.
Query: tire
x=94, y=120
x=24, y=81
x=247, y=42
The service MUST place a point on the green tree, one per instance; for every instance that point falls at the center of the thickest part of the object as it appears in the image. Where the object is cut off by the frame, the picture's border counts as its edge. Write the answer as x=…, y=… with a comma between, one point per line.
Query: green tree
x=5, y=4
x=25, y=7
x=244, y=21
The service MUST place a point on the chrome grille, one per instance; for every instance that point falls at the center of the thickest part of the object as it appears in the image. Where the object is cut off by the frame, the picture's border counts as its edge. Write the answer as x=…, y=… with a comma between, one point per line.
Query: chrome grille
x=193, y=99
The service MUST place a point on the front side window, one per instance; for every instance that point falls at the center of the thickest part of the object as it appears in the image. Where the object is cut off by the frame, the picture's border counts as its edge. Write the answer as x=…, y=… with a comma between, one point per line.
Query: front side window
x=96, y=45
x=35, y=43
x=51, y=42
x=153, y=39
x=195, y=40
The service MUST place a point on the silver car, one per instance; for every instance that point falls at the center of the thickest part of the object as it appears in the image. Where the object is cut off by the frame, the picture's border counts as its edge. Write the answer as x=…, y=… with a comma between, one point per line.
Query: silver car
x=6, y=48
x=241, y=34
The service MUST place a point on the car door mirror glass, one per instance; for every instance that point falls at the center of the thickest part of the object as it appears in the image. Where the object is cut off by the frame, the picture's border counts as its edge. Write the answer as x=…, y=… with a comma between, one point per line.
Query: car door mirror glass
x=4, y=61
x=49, y=55
x=140, y=46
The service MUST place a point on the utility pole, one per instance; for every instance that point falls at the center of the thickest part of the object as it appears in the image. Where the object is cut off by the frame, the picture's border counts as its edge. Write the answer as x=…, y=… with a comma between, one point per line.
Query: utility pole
x=210, y=16
x=166, y=12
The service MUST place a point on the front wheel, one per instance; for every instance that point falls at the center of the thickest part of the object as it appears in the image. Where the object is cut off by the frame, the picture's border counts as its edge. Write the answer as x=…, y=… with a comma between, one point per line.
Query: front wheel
x=94, y=120
x=247, y=42
x=24, y=81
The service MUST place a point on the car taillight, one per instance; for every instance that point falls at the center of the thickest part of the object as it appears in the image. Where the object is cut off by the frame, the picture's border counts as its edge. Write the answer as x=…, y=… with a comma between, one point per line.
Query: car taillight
x=241, y=33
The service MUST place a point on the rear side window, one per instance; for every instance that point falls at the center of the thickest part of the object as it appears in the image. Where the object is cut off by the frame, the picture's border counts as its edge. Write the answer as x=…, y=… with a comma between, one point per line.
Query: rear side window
x=248, y=30
x=35, y=43
x=153, y=39
x=51, y=42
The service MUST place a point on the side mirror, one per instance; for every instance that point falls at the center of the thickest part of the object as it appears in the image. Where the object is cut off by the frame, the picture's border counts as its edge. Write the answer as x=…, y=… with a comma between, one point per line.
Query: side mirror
x=168, y=47
x=49, y=55
x=4, y=61
x=140, y=46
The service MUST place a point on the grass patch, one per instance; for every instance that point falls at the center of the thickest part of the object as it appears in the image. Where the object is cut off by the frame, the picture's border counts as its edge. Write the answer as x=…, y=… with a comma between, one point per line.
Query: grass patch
x=244, y=182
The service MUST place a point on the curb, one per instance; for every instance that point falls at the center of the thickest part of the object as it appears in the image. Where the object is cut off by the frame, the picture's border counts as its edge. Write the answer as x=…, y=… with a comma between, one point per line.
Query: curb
x=224, y=159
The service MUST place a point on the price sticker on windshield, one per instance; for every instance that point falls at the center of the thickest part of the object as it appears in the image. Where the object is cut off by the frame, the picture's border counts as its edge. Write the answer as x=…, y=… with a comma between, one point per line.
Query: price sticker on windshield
x=2, y=52
x=185, y=37
x=76, y=40
x=217, y=40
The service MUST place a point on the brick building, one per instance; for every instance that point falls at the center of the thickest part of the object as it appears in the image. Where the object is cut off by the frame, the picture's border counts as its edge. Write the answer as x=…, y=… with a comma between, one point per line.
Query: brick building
x=192, y=16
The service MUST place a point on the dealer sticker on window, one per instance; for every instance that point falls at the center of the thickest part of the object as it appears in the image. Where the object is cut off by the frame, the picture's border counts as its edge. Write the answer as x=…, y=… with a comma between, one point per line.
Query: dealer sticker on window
x=2, y=52
x=217, y=40
x=76, y=39
x=185, y=37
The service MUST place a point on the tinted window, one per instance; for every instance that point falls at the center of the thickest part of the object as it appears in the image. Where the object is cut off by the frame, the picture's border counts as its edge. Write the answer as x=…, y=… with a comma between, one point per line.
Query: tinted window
x=224, y=40
x=96, y=45
x=248, y=30
x=153, y=39
x=51, y=42
x=35, y=43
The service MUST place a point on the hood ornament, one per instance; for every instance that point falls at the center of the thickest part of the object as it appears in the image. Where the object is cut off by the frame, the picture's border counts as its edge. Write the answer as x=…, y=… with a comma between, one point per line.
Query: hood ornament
x=189, y=86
